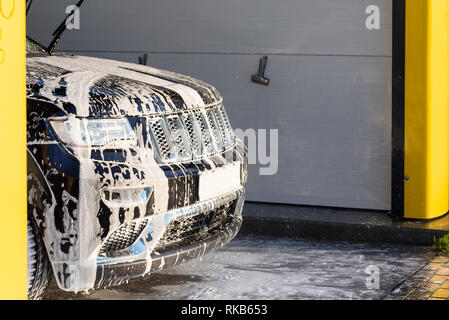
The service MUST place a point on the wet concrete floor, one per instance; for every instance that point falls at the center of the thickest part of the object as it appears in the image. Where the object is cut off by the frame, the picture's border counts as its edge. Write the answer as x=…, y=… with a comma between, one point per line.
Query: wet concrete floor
x=273, y=268
x=276, y=268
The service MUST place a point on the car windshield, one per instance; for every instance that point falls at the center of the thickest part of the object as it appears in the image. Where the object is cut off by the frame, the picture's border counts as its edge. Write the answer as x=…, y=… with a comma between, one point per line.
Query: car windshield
x=33, y=47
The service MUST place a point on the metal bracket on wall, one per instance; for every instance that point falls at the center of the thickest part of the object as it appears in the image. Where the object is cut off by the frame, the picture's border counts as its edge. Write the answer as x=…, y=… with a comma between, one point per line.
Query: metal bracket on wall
x=260, y=77
x=143, y=59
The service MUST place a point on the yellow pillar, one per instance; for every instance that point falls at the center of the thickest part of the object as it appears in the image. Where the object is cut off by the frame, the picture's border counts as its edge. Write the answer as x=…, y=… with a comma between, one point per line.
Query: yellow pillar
x=13, y=190
x=426, y=122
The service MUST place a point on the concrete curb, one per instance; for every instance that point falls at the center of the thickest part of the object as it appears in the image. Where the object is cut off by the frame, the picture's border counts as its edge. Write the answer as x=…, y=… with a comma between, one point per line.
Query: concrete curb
x=337, y=224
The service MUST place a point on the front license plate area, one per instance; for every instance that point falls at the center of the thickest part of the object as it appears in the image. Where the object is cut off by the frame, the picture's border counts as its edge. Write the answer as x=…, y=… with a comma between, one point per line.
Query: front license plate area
x=219, y=182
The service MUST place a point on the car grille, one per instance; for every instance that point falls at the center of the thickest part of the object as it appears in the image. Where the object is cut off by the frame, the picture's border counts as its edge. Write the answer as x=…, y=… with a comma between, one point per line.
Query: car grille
x=124, y=237
x=191, y=229
x=182, y=231
x=192, y=134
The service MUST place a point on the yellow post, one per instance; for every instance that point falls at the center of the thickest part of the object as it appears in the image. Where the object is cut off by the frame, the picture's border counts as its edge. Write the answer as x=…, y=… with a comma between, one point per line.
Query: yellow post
x=426, y=149
x=13, y=190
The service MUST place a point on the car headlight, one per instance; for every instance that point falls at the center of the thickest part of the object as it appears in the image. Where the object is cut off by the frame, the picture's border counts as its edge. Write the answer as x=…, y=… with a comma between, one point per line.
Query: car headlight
x=95, y=132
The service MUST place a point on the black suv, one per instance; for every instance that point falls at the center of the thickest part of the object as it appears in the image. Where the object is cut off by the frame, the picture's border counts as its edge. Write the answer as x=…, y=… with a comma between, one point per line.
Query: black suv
x=131, y=170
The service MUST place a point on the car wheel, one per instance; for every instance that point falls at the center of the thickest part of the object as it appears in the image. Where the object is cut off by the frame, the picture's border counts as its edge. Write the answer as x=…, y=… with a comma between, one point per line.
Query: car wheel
x=39, y=269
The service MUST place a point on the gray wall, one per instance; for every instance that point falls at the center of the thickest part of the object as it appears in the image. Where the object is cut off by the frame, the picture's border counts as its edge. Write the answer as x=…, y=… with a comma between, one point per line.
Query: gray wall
x=330, y=90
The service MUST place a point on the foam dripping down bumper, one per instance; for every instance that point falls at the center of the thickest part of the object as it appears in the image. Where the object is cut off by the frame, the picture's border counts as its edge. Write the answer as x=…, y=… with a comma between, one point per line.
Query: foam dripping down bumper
x=141, y=258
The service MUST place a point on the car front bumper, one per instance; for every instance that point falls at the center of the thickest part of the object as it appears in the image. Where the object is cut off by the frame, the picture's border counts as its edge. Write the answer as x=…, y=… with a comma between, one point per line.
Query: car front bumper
x=140, y=259
x=82, y=217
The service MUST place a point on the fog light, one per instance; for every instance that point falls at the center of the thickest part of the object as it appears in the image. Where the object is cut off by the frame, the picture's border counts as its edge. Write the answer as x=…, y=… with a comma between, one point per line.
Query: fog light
x=126, y=196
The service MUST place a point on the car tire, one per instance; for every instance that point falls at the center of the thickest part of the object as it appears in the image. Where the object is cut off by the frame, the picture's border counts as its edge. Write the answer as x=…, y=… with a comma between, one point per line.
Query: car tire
x=39, y=268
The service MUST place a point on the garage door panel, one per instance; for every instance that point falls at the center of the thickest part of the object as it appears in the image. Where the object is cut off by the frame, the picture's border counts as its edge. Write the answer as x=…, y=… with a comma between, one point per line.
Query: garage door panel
x=341, y=115
x=359, y=104
x=310, y=90
x=246, y=26
x=323, y=201
x=311, y=174
x=324, y=194
x=331, y=149
x=324, y=160
x=294, y=129
x=353, y=148
x=296, y=104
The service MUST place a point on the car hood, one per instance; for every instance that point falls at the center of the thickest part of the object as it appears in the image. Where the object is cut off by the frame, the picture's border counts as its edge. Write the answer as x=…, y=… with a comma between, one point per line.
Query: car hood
x=92, y=87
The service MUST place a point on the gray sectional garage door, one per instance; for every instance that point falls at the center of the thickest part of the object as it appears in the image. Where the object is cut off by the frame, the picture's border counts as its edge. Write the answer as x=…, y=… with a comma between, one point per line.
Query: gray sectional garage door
x=330, y=89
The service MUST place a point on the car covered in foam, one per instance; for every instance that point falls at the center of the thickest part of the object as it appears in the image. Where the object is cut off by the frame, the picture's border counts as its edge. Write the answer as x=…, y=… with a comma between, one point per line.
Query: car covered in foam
x=131, y=170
